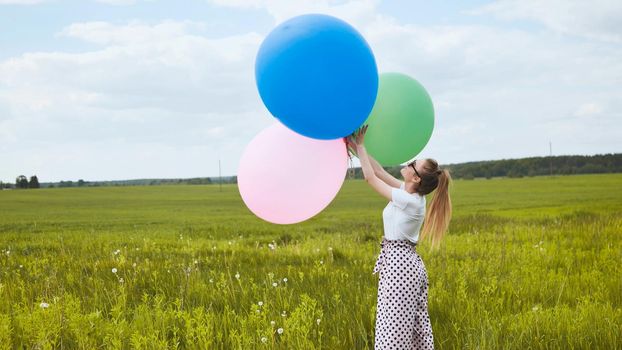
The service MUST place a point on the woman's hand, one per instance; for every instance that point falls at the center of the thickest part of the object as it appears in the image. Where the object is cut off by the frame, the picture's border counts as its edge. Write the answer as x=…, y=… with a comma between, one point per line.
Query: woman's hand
x=358, y=136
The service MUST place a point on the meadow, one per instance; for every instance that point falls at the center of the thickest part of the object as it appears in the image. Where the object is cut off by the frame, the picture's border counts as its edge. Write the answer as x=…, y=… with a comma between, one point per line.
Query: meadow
x=529, y=263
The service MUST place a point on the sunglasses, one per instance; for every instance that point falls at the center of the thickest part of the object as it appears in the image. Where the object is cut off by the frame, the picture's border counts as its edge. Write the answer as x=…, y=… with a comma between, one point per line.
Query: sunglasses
x=412, y=164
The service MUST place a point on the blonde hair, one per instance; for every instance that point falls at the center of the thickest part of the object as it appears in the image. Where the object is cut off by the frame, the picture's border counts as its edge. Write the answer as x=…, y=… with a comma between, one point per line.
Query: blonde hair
x=438, y=213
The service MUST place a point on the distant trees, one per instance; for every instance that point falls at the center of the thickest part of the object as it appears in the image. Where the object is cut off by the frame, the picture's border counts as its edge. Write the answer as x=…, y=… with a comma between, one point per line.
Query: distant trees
x=536, y=166
x=559, y=165
x=21, y=182
x=34, y=182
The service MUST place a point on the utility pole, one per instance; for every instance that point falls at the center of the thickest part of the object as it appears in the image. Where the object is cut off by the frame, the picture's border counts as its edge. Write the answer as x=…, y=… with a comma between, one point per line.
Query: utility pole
x=551, y=156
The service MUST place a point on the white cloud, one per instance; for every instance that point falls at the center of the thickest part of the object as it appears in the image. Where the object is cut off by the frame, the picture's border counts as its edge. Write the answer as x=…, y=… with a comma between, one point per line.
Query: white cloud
x=22, y=2
x=157, y=84
x=118, y=2
x=588, y=109
x=356, y=13
x=597, y=19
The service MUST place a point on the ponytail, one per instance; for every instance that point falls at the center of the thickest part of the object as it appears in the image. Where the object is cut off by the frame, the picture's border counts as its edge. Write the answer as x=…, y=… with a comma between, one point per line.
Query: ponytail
x=438, y=214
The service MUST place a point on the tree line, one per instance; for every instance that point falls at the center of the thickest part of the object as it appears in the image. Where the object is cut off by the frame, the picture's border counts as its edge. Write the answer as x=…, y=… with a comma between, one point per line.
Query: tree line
x=21, y=182
x=534, y=166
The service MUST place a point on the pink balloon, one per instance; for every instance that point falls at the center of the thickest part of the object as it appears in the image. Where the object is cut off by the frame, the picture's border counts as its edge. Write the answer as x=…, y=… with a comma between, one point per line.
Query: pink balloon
x=285, y=178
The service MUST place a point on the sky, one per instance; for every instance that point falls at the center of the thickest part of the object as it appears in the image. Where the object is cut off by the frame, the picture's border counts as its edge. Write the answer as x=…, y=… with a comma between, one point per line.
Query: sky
x=129, y=89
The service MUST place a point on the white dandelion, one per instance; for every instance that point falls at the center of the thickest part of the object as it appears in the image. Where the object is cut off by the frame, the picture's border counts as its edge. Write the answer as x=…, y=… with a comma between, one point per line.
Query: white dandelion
x=264, y=339
x=272, y=323
x=285, y=279
x=318, y=321
x=260, y=303
x=274, y=284
x=114, y=270
x=44, y=305
x=237, y=275
x=280, y=330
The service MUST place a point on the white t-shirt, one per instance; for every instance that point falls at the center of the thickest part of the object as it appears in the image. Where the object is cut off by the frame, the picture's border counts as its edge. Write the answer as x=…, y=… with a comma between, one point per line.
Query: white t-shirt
x=403, y=216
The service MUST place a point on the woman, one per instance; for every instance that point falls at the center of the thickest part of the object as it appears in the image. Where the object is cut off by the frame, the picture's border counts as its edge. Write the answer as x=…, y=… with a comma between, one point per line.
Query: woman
x=402, y=320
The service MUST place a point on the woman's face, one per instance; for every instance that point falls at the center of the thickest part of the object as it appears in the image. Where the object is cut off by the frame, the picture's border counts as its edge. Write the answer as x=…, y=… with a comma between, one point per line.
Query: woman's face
x=412, y=170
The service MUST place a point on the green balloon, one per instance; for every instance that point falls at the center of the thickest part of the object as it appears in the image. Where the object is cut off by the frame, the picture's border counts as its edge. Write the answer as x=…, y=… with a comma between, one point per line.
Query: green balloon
x=401, y=122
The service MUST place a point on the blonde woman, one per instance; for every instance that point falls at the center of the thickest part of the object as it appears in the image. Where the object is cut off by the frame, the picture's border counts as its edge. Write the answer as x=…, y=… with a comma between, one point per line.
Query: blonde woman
x=402, y=320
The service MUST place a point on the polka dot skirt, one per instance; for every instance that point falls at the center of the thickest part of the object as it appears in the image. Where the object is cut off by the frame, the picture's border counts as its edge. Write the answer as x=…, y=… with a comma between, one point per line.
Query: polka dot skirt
x=402, y=320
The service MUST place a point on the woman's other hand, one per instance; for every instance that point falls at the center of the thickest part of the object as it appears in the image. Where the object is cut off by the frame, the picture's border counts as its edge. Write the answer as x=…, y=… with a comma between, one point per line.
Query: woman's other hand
x=351, y=146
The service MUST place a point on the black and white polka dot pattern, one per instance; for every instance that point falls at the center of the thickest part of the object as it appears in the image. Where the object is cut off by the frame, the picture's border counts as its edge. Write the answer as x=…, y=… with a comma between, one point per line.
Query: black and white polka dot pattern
x=402, y=320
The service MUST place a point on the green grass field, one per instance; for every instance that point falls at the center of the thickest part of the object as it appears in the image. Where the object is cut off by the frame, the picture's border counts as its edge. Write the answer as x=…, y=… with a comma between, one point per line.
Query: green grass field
x=531, y=263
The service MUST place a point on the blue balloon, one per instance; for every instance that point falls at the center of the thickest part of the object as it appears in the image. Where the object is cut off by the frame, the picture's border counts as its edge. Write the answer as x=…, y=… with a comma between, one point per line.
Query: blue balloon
x=317, y=75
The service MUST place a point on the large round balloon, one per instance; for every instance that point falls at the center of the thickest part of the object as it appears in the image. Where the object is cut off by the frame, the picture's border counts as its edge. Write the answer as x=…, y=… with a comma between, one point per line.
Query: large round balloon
x=317, y=75
x=401, y=123
x=285, y=178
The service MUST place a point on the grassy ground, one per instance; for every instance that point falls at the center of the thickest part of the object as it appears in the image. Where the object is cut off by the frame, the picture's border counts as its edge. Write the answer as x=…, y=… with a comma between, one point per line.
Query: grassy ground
x=528, y=263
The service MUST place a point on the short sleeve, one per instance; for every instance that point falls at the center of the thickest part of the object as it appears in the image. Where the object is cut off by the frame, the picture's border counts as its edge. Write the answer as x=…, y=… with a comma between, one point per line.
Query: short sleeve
x=400, y=197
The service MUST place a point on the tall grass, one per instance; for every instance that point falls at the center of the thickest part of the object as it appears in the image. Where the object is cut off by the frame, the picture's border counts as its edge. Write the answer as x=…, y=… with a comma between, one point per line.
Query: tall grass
x=529, y=263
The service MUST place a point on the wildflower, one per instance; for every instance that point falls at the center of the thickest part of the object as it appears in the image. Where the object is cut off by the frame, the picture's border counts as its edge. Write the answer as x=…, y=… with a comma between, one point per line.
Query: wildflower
x=285, y=279
x=274, y=284
x=116, y=252
x=121, y=280
x=535, y=308
x=8, y=252
x=321, y=262
x=44, y=305
x=318, y=321
x=280, y=330
x=230, y=243
x=271, y=246
x=330, y=248
x=196, y=262
x=114, y=270
x=20, y=266
x=134, y=265
x=272, y=323
x=211, y=280
x=237, y=275
x=284, y=314
x=260, y=303
x=264, y=339
x=270, y=275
